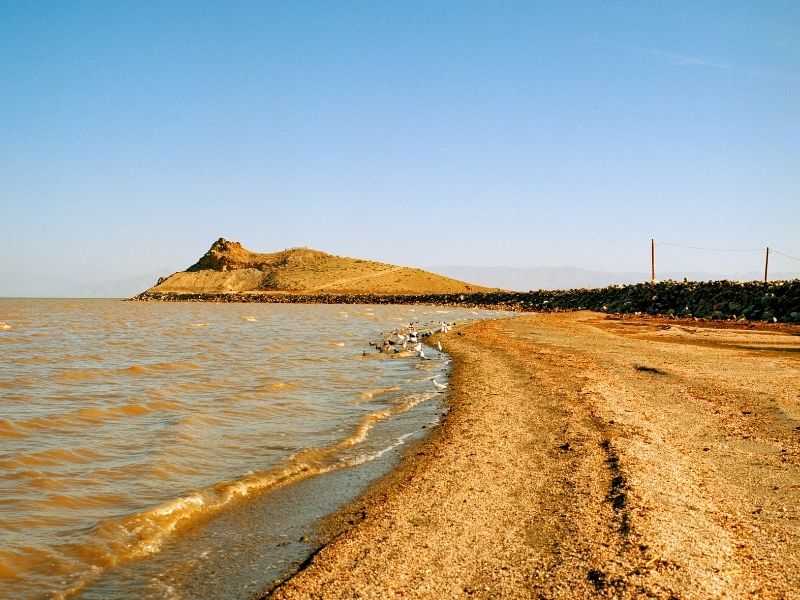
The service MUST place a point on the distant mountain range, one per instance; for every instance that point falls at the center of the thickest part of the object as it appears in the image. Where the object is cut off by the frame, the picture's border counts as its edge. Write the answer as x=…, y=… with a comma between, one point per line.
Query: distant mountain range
x=27, y=285
x=509, y=278
x=565, y=278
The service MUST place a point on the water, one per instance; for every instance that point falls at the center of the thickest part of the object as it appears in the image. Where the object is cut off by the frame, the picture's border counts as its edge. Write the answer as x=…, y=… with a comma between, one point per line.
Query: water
x=177, y=450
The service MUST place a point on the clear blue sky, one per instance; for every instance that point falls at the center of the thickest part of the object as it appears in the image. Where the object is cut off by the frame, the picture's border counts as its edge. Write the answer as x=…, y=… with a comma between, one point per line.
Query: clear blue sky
x=133, y=134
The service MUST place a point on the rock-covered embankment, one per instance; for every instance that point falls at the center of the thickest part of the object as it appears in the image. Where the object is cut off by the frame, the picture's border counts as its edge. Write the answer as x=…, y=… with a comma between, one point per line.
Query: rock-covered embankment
x=755, y=301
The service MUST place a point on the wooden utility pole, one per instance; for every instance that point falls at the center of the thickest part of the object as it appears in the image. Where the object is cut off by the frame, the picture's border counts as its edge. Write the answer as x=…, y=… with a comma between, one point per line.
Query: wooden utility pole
x=652, y=260
x=766, y=265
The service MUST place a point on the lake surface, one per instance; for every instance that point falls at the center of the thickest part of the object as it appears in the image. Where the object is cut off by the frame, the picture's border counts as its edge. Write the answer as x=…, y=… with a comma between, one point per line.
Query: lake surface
x=185, y=450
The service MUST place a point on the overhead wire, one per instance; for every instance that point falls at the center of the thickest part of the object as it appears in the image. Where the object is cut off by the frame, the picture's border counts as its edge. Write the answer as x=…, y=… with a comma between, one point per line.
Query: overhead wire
x=771, y=250
x=710, y=249
x=782, y=254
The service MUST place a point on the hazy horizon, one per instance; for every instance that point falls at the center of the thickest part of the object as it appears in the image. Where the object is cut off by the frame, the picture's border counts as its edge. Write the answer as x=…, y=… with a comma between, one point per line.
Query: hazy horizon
x=510, y=278
x=511, y=135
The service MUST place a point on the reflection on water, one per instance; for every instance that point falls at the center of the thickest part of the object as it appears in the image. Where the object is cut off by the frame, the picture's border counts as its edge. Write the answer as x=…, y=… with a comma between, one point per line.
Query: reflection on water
x=122, y=423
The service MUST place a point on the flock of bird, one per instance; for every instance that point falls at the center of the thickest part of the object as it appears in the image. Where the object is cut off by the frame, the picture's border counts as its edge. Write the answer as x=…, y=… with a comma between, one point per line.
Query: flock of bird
x=400, y=340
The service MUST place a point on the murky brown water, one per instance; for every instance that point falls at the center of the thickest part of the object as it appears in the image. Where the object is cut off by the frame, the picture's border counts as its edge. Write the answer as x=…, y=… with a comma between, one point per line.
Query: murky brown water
x=125, y=426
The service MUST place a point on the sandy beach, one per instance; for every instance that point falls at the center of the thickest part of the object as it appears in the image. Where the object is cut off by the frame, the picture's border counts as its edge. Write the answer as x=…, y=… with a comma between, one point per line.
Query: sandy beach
x=586, y=455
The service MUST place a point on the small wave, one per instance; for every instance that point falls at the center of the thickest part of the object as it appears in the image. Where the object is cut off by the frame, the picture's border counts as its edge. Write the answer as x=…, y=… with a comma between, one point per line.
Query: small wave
x=31, y=560
x=13, y=563
x=128, y=410
x=91, y=416
x=249, y=319
x=312, y=457
x=58, y=456
x=25, y=473
x=369, y=457
x=15, y=383
x=32, y=360
x=73, y=502
x=4, y=326
x=159, y=368
x=46, y=482
x=80, y=375
x=9, y=430
x=201, y=386
x=370, y=394
x=142, y=534
x=165, y=405
x=139, y=535
x=27, y=525
x=178, y=365
x=428, y=365
x=199, y=421
x=277, y=386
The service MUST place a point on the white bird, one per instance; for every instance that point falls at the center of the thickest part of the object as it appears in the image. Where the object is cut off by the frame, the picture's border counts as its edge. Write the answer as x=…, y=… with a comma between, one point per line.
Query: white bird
x=439, y=386
x=418, y=347
x=439, y=346
x=422, y=355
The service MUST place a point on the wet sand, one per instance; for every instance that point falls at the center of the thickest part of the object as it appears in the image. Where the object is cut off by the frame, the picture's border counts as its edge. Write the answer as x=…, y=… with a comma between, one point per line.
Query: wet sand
x=588, y=456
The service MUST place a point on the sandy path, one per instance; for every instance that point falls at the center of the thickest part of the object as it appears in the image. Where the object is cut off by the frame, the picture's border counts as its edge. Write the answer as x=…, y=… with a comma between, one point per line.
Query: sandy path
x=564, y=471
x=345, y=280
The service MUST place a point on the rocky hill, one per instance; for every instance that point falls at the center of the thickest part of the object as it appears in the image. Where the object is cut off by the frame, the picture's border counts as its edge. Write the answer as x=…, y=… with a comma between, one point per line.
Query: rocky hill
x=228, y=267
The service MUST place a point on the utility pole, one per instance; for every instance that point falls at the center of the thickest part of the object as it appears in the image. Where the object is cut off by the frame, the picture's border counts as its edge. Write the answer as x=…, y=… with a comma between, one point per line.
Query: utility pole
x=766, y=265
x=652, y=261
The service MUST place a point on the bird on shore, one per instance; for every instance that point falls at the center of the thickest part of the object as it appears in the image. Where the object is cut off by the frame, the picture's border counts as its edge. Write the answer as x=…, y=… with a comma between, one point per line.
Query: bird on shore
x=439, y=346
x=418, y=347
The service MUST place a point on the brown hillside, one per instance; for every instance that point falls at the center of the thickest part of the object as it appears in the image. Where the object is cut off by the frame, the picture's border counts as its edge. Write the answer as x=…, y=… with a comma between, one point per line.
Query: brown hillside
x=229, y=267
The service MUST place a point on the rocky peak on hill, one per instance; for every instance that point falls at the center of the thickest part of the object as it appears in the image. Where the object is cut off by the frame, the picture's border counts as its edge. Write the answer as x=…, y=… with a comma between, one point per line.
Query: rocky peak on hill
x=222, y=256
x=225, y=255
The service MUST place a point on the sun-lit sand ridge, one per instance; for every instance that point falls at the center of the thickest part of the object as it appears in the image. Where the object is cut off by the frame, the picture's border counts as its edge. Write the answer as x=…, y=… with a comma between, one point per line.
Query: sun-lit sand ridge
x=589, y=456
x=228, y=267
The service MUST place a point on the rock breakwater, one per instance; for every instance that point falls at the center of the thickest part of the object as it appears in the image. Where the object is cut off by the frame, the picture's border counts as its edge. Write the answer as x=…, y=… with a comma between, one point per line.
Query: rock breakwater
x=777, y=301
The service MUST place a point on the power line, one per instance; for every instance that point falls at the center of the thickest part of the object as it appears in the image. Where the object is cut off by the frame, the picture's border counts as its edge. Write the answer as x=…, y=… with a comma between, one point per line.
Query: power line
x=782, y=254
x=714, y=249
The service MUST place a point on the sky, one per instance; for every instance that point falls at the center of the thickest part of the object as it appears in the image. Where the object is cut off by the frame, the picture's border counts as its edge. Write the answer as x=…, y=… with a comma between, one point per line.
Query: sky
x=517, y=134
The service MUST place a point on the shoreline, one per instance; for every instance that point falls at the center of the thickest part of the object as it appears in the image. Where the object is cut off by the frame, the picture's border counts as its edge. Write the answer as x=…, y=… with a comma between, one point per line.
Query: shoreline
x=412, y=460
x=562, y=497
x=777, y=301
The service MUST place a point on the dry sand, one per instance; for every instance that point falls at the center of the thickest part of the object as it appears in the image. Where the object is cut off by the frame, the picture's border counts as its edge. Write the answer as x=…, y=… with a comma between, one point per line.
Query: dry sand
x=586, y=456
